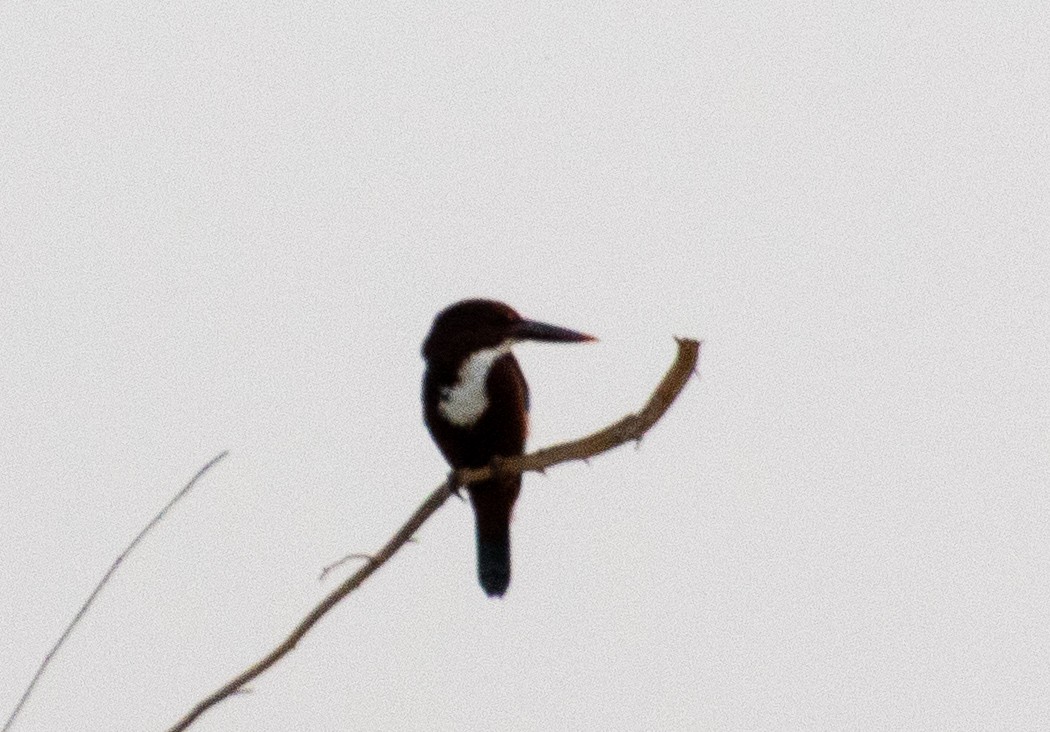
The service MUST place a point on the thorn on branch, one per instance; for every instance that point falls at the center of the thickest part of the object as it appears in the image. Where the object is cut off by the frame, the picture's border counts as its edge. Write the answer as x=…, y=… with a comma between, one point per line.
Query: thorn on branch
x=631, y=427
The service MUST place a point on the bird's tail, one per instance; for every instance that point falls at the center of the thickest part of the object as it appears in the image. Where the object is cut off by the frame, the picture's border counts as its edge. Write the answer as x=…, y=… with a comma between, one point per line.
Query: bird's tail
x=494, y=564
x=492, y=508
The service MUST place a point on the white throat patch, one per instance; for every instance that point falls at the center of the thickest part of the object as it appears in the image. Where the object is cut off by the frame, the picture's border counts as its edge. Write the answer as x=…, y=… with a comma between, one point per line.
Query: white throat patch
x=465, y=401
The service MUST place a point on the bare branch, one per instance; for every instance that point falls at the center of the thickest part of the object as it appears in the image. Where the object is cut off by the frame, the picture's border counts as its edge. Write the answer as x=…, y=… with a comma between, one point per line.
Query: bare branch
x=631, y=427
x=102, y=583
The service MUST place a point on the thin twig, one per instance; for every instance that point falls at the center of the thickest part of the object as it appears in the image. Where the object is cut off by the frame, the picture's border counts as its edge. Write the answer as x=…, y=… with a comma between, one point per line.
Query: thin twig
x=629, y=428
x=102, y=583
x=327, y=569
x=340, y=562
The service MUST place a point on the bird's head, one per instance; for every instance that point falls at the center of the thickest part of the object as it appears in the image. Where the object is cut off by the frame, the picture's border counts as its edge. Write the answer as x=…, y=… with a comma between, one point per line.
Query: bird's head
x=469, y=326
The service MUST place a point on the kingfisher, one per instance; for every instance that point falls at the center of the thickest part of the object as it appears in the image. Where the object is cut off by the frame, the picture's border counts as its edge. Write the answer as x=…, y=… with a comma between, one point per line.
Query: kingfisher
x=476, y=407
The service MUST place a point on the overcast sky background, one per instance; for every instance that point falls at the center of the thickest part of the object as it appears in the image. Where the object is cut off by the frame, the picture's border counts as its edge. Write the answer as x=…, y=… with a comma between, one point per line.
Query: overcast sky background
x=228, y=227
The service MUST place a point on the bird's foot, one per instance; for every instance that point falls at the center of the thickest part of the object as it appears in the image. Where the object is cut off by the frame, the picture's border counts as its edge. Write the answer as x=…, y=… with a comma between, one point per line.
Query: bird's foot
x=453, y=484
x=498, y=465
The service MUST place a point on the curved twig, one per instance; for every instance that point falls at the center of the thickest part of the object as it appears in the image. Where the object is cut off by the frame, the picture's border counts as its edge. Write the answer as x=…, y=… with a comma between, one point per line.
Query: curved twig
x=340, y=562
x=102, y=583
x=631, y=427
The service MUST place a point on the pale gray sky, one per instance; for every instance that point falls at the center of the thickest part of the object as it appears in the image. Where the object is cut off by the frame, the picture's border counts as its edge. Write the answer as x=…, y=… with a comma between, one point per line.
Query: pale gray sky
x=229, y=227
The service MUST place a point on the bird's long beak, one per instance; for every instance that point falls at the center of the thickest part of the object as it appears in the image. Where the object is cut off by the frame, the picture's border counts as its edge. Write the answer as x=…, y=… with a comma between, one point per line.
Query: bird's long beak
x=531, y=330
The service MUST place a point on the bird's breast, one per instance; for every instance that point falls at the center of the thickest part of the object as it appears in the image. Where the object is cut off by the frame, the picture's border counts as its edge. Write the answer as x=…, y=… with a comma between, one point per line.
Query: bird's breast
x=465, y=401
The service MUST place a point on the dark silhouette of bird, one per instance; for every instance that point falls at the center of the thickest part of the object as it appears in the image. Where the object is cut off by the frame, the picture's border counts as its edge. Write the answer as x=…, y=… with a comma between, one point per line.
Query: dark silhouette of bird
x=476, y=406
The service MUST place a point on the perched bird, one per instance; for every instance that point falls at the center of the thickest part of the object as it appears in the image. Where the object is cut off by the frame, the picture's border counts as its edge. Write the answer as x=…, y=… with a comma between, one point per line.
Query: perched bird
x=476, y=406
